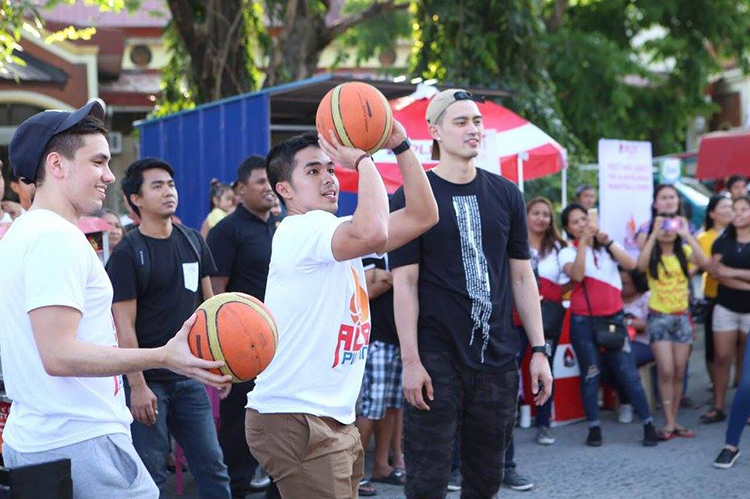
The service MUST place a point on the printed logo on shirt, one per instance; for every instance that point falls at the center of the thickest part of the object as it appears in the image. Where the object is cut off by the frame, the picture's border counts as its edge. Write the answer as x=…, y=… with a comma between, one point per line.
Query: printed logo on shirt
x=353, y=340
x=475, y=267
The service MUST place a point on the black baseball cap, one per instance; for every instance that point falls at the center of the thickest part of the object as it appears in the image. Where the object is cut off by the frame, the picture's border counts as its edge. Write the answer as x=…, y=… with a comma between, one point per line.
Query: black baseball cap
x=32, y=136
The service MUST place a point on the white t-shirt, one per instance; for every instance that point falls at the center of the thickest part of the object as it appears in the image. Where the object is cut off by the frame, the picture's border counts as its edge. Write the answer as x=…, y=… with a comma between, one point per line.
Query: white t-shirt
x=47, y=261
x=322, y=312
x=550, y=273
x=602, y=279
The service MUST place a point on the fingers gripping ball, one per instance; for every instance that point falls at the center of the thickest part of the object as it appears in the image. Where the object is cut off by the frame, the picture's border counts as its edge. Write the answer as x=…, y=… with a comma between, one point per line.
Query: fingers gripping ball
x=238, y=329
x=359, y=115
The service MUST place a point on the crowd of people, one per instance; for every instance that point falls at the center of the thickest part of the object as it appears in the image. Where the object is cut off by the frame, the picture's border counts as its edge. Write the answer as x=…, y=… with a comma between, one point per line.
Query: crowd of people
x=404, y=323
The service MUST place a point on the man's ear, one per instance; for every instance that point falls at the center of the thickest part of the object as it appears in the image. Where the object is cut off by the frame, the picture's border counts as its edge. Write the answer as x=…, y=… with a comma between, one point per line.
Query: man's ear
x=434, y=132
x=54, y=165
x=136, y=200
x=285, y=190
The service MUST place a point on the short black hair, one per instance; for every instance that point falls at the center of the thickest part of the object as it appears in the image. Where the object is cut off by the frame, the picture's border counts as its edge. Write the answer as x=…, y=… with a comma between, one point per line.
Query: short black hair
x=133, y=179
x=280, y=159
x=68, y=142
x=583, y=188
x=254, y=162
x=734, y=179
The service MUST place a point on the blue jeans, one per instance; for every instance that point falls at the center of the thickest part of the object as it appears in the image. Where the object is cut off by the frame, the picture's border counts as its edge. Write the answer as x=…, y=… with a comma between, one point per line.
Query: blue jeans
x=740, y=405
x=590, y=362
x=184, y=411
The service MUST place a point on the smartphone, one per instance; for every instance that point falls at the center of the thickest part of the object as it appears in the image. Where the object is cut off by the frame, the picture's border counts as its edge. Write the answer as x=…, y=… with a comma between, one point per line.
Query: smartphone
x=593, y=214
x=672, y=224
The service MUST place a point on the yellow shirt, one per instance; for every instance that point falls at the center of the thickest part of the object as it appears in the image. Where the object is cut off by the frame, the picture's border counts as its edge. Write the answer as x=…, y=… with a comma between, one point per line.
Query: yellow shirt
x=669, y=293
x=706, y=240
x=216, y=215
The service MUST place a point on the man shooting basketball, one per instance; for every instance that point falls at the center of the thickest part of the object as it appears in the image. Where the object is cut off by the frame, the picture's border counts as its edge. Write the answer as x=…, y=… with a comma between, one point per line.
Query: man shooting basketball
x=300, y=414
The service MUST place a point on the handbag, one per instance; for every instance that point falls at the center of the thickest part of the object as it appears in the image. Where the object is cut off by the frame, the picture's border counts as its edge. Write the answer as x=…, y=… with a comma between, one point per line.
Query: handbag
x=608, y=333
x=553, y=313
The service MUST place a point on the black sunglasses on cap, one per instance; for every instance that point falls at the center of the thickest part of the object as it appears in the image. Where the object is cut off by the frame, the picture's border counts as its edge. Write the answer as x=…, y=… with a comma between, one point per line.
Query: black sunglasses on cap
x=462, y=95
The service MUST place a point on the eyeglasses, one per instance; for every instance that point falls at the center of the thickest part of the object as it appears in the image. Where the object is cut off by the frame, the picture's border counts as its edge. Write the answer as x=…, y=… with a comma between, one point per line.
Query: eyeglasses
x=463, y=95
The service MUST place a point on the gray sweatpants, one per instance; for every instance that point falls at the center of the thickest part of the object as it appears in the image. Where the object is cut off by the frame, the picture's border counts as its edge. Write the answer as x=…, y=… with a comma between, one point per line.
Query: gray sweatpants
x=102, y=467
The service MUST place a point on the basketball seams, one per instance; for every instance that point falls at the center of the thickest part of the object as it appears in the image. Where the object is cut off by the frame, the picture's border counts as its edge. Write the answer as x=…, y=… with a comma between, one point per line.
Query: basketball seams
x=212, y=334
x=388, y=123
x=338, y=121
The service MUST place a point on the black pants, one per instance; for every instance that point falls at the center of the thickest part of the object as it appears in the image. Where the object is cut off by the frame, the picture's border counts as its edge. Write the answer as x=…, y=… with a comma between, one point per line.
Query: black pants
x=240, y=463
x=482, y=405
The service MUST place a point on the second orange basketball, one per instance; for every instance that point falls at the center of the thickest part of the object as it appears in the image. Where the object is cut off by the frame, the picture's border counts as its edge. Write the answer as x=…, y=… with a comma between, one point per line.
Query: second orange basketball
x=358, y=114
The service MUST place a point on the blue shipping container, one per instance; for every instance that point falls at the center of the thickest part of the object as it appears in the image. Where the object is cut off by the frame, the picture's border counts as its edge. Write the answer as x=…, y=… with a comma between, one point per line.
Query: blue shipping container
x=205, y=143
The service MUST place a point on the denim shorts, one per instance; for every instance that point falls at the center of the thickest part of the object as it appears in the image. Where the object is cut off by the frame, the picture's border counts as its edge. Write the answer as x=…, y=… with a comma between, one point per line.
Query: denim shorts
x=666, y=327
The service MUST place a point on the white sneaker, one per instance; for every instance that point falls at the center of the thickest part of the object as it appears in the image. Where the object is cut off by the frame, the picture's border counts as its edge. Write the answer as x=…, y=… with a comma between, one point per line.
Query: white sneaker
x=625, y=414
x=260, y=480
x=544, y=437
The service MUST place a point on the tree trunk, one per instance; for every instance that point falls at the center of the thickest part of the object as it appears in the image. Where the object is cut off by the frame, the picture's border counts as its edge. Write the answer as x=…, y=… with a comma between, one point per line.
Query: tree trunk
x=215, y=41
x=295, y=52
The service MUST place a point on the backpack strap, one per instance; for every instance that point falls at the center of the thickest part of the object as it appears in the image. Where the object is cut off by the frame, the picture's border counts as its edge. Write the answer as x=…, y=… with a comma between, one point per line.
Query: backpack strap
x=134, y=239
x=192, y=239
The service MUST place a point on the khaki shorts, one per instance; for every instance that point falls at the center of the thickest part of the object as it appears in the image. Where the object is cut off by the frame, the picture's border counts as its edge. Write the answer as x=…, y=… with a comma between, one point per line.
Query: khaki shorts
x=725, y=320
x=306, y=455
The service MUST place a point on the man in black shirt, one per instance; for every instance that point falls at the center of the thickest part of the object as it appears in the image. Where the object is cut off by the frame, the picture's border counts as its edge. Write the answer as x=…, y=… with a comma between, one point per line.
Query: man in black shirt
x=382, y=398
x=241, y=246
x=454, y=287
x=159, y=273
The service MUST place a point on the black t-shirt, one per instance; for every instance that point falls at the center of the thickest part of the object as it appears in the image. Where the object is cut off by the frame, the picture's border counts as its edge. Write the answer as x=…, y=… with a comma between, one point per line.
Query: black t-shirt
x=173, y=292
x=465, y=298
x=381, y=308
x=735, y=255
x=241, y=246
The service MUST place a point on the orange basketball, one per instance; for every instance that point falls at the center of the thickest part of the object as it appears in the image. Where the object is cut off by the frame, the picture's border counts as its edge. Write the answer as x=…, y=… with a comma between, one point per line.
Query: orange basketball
x=237, y=329
x=358, y=114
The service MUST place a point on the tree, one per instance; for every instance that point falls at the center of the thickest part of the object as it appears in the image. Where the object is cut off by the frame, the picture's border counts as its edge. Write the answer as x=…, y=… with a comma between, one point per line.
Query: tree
x=18, y=16
x=213, y=43
x=218, y=39
x=304, y=34
x=494, y=44
x=640, y=69
x=633, y=69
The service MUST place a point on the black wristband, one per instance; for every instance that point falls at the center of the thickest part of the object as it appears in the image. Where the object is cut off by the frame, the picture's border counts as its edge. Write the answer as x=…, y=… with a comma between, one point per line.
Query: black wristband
x=356, y=163
x=610, y=243
x=402, y=147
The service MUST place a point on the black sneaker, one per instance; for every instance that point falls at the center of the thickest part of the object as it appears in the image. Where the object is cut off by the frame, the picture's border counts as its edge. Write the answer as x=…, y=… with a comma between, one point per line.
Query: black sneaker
x=514, y=481
x=454, y=482
x=726, y=458
x=595, y=437
x=650, y=437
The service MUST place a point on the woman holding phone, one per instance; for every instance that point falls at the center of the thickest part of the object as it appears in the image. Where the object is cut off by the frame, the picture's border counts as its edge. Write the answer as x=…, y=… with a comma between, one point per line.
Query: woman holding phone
x=592, y=264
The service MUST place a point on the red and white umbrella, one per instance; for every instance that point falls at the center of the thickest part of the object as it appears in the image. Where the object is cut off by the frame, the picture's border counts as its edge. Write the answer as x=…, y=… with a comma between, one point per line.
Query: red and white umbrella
x=509, y=141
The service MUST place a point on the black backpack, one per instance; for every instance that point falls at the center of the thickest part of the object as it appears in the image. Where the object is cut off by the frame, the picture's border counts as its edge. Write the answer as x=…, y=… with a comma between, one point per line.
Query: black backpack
x=134, y=239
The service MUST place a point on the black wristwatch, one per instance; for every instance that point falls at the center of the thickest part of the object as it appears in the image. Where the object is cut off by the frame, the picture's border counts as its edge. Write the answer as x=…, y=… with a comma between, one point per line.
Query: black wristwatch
x=546, y=349
x=402, y=147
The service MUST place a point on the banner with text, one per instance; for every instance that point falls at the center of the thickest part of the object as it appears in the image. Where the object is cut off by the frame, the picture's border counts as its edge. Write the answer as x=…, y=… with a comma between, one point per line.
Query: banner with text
x=626, y=189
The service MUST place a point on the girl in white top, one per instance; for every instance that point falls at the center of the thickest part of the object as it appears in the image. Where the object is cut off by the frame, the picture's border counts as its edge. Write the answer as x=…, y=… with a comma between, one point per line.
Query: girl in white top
x=546, y=243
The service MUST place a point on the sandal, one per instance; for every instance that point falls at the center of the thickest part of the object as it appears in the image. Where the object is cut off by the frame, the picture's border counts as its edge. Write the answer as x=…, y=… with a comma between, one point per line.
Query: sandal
x=366, y=489
x=713, y=416
x=395, y=477
x=684, y=432
x=665, y=435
